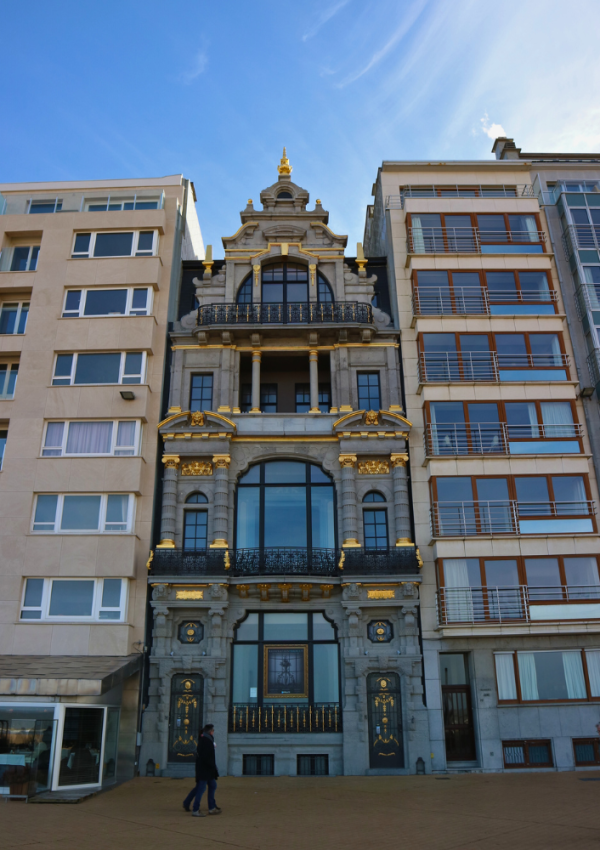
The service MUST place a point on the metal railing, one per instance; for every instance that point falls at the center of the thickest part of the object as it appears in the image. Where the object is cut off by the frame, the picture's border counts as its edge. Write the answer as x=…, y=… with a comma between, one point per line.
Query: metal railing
x=20, y=204
x=483, y=438
x=487, y=518
x=585, y=236
x=452, y=366
x=551, y=196
x=281, y=561
x=589, y=294
x=281, y=314
x=439, y=301
x=286, y=717
x=492, y=605
x=468, y=240
x=396, y=202
x=593, y=362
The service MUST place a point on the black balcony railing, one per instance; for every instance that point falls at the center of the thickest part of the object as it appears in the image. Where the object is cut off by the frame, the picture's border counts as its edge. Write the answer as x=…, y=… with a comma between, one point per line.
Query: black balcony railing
x=280, y=561
x=311, y=313
x=286, y=717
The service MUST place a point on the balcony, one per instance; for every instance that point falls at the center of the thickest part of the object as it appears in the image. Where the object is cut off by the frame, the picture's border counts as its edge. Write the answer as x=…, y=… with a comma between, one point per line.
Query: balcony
x=311, y=313
x=400, y=560
x=515, y=604
x=286, y=718
x=451, y=367
x=20, y=204
x=593, y=361
x=396, y=202
x=498, y=438
x=434, y=301
x=472, y=240
x=509, y=517
x=580, y=236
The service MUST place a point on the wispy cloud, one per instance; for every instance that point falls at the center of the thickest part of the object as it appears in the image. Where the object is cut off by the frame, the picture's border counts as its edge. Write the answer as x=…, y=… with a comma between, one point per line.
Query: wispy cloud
x=197, y=67
x=491, y=130
x=326, y=15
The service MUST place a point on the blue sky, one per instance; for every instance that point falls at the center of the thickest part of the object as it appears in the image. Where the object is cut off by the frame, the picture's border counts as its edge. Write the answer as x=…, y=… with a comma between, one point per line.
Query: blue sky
x=214, y=89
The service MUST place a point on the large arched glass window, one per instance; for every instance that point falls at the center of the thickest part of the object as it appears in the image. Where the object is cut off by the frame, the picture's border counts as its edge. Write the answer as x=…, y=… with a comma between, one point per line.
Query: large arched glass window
x=324, y=292
x=375, y=523
x=195, y=524
x=244, y=295
x=287, y=504
x=285, y=283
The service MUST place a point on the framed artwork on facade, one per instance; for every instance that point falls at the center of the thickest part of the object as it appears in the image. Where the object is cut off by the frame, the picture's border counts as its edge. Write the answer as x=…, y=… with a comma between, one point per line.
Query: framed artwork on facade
x=285, y=671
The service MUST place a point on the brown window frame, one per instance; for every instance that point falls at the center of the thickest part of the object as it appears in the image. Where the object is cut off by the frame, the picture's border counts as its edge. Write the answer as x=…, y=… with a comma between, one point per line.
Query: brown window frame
x=595, y=743
x=526, y=744
x=474, y=219
x=484, y=287
x=520, y=701
x=521, y=568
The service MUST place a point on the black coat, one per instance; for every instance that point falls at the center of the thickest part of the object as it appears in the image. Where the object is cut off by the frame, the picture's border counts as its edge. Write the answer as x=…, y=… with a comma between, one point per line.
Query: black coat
x=206, y=765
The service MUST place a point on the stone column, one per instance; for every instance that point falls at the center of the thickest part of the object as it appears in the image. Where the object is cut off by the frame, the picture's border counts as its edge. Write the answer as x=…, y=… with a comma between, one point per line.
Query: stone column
x=236, y=381
x=313, y=362
x=169, y=502
x=255, y=382
x=221, y=511
x=349, y=516
x=345, y=396
x=401, y=506
x=393, y=375
x=226, y=369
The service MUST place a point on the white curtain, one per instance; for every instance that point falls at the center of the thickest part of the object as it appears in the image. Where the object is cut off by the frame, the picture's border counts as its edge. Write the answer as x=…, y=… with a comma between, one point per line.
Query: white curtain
x=417, y=235
x=528, y=676
x=533, y=420
x=582, y=572
x=505, y=674
x=89, y=438
x=434, y=431
x=592, y=656
x=125, y=438
x=574, y=675
x=531, y=225
x=459, y=603
x=559, y=417
x=116, y=513
x=556, y=352
x=54, y=438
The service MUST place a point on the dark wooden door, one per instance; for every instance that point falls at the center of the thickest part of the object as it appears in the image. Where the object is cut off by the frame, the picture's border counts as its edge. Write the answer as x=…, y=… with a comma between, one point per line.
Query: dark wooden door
x=185, y=719
x=385, y=720
x=458, y=723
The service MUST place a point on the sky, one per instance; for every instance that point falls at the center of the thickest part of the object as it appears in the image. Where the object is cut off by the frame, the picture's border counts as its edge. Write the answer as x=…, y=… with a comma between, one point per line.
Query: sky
x=214, y=90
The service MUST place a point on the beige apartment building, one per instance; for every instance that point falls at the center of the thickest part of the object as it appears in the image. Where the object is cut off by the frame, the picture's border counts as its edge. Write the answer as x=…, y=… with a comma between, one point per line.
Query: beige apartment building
x=88, y=276
x=503, y=486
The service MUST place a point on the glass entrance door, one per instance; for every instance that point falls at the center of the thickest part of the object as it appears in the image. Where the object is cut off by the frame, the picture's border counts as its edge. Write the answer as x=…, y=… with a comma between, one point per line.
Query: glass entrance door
x=458, y=712
x=185, y=720
x=385, y=720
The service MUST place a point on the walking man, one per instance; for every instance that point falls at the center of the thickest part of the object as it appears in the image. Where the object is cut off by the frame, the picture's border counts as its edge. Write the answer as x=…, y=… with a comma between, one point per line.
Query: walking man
x=206, y=774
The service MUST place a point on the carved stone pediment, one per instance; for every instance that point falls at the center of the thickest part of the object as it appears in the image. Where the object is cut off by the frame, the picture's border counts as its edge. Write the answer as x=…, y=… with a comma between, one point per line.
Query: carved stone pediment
x=323, y=235
x=187, y=422
x=284, y=232
x=370, y=421
x=243, y=237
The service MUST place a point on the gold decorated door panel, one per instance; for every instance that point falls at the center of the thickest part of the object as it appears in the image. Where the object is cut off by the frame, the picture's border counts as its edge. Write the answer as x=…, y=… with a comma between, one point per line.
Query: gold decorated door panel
x=385, y=720
x=185, y=719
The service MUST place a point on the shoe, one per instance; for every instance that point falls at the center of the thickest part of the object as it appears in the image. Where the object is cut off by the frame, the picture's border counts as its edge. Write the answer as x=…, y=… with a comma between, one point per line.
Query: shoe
x=215, y=811
x=198, y=814
x=187, y=808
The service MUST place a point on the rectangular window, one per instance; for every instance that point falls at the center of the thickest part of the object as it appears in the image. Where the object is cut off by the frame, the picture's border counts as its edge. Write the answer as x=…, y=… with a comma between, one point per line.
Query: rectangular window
x=25, y=258
x=13, y=317
x=201, y=392
x=107, y=368
x=369, y=395
x=74, y=599
x=246, y=398
x=107, y=302
x=302, y=398
x=586, y=751
x=122, y=243
x=51, y=205
x=8, y=380
x=324, y=397
x=106, y=437
x=317, y=765
x=268, y=398
x=116, y=204
x=527, y=754
x=553, y=676
x=258, y=765
x=83, y=514
x=3, y=438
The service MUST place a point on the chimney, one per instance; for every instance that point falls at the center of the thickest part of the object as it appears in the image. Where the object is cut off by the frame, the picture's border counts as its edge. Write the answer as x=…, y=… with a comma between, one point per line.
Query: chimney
x=505, y=148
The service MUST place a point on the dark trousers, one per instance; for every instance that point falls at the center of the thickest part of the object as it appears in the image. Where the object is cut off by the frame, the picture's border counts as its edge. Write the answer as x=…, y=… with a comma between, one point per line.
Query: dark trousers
x=197, y=792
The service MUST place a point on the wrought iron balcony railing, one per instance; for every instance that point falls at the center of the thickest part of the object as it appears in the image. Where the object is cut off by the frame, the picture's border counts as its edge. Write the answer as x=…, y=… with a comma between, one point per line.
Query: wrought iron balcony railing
x=465, y=300
x=489, y=366
x=396, y=202
x=484, y=438
x=487, y=518
x=472, y=240
x=282, y=561
x=289, y=717
x=493, y=605
x=267, y=313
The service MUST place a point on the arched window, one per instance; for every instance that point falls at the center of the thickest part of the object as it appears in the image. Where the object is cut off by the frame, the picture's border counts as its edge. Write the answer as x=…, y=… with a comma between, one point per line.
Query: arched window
x=195, y=524
x=244, y=295
x=375, y=523
x=324, y=292
x=285, y=196
x=285, y=504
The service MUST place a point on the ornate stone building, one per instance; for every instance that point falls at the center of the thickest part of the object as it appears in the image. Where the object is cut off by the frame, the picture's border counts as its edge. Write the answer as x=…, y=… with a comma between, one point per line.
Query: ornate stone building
x=285, y=596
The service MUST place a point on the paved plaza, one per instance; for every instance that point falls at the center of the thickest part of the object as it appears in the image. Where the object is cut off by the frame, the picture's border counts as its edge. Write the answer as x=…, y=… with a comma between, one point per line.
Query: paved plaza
x=470, y=812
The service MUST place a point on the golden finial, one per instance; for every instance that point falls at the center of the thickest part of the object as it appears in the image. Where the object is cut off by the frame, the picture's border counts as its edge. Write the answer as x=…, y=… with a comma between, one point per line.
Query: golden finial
x=284, y=168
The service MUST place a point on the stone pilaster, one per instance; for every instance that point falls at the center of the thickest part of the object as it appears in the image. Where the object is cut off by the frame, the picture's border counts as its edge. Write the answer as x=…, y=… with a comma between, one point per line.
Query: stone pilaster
x=401, y=506
x=349, y=514
x=256, y=358
x=221, y=511
x=313, y=362
x=169, y=502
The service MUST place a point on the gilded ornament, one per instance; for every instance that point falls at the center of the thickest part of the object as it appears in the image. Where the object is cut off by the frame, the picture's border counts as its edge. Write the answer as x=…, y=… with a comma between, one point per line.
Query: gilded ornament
x=398, y=460
x=284, y=167
x=171, y=461
x=197, y=467
x=372, y=417
x=197, y=418
x=373, y=467
x=256, y=270
x=221, y=461
x=150, y=559
x=381, y=594
x=347, y=461
x=189, y=594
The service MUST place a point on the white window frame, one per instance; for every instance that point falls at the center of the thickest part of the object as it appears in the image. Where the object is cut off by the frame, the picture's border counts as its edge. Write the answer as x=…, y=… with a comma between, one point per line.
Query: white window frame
x=122, y=373
x=19, y=305
x=119, y=200
x=94, y=617
x=9, y=369
x=56, y=529
x=11, y=253
x=115, y=422
x=129, y=309
x=56, y=201
x=89, y=254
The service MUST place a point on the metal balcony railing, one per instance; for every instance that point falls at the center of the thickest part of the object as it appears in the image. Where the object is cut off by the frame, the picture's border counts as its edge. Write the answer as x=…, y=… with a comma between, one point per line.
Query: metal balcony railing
x=281, y=561
x=21, y=204
x=484, y=438
x=584, y=236
x=285, y=718
x=487, y=518
x=396, y=202
x=469, y=240
x=452, y=366
x=463, y=300
x=494, y=605
x=310, y=313
x=593, y=361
